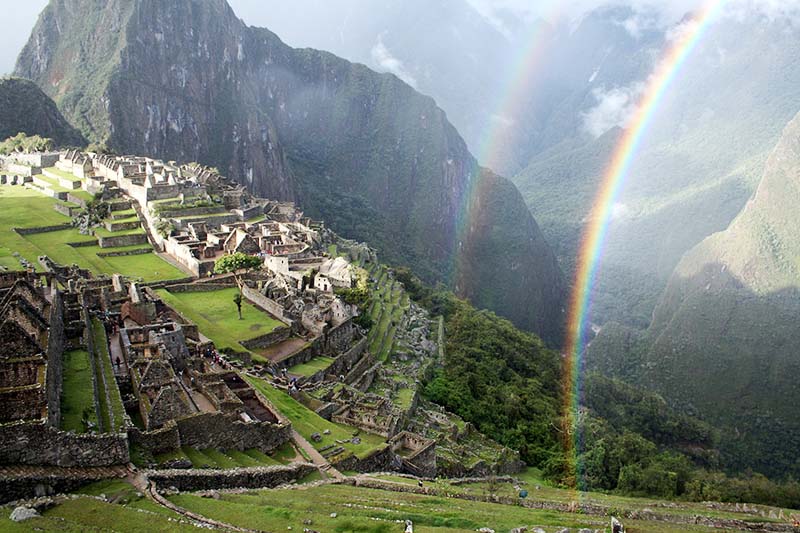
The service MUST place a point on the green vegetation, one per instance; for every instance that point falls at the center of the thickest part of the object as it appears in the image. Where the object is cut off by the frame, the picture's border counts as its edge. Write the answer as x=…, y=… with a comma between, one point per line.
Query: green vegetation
x=384, y=305
x=306, y=422
x=26, y=208
x=236, y=264
x=215, y=315
x=77, y=394
x=90, y=514
x=22, y=143
x=103, y=359
x=377, y=511
x=312, y=367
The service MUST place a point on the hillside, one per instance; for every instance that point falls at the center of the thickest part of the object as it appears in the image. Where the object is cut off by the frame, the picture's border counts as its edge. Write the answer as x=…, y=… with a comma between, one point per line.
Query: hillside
x=724, y=341
x=25, y=108
x=699, y=161
x=189, y=81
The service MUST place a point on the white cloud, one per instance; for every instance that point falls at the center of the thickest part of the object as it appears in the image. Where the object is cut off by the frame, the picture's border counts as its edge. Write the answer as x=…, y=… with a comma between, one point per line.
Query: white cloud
x=614, y=108
x=620, y=211
x=386, y=62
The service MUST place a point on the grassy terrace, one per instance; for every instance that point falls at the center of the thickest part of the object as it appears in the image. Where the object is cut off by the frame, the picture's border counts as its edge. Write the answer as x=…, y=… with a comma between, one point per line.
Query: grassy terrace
x=390, y=303
x=104, y=360
x=312, y=367
x=378, y=511
x=26, y=208
x=78, y=391
x=357, y=509
x=215, y=314
x=66, y=175
x=307, y=422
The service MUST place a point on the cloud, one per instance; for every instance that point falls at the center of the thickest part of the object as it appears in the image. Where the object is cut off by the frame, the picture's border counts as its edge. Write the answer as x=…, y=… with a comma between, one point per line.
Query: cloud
x=386, y=62
x=614, y=108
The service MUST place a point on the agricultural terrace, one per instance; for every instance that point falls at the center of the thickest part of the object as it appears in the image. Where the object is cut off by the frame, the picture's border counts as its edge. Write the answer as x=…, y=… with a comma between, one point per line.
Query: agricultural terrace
x=27, y=208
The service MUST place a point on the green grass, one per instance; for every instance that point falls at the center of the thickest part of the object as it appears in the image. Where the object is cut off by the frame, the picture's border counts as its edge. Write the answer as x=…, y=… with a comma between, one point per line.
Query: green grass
x=78, y=391
x=262, y=458
x=89, y=514
x=103, y=232
x=66, y=175
x=215, y=314
x=222, y=460
x=307, y=422
x=198, y=458
x=104, y=359
x=378, y=511
x=25, y=208
x=312, y=367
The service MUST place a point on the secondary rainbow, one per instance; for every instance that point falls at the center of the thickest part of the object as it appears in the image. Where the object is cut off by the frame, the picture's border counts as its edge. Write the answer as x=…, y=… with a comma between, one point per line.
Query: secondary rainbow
x=521, y=74
x=591, y=251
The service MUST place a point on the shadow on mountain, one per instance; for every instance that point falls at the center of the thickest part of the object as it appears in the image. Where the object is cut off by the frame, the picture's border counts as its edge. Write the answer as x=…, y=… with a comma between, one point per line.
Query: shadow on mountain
x=717, y=350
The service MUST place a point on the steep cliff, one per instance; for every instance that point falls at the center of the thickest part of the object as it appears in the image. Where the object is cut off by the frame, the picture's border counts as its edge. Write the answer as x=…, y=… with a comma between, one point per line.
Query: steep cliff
x=24, y=108
x=724, y=339
x=187, y=80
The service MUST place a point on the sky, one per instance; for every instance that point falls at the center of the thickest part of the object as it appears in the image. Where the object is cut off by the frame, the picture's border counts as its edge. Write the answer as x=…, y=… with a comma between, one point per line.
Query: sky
x=20, y=16
x=18, y=20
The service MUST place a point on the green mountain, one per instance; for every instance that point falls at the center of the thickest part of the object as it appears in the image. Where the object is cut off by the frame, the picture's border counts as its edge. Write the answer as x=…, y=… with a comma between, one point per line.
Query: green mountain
x=189, y=81
x=724, y=341
x=24, y=108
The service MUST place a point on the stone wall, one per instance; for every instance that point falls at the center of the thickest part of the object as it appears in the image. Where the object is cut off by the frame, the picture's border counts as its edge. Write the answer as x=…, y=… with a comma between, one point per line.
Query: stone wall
x=247, y=478
x=270, y=306
x=301, y=357
x=37, y=484
x=340, y=366
x=55, y=353
x=225, y=431
x=38, y=444
x=66, y=210
x=279, y=334
x=116, y=241
x=76, y=200
x=23, y=170
x=141, y=251
x=202, y=287
x=42, y=229
x=381, y=460
x=157, y=441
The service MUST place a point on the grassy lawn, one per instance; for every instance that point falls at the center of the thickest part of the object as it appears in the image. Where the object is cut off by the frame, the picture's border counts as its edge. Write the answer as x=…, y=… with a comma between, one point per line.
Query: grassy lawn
x=312, y=367
x=377, y=511
x=25, y=208
x=88, y=514
x=78, y=392
x=104, y=359
x=215, y=314
x=307, y=422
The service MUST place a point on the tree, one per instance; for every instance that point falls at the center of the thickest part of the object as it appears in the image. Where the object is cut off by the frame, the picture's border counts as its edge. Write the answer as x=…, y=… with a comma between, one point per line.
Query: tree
x=237, y=264
x=238, y=301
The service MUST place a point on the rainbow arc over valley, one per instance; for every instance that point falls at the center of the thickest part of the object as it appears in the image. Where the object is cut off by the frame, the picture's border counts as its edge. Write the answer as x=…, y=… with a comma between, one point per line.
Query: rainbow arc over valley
x=685, y=40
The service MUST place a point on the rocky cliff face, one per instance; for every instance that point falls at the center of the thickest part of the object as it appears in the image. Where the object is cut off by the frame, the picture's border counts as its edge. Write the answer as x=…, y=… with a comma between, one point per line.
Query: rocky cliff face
x=25, y=108
x=724, y=339
x=187, y=80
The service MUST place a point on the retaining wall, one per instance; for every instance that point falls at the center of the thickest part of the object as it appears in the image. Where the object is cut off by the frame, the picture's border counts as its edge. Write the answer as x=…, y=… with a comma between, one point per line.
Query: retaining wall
x=39, y=444
x=247, y=478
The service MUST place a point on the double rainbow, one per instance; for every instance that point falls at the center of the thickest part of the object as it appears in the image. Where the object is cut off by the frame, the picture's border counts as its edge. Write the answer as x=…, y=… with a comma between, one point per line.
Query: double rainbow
x=591, y=250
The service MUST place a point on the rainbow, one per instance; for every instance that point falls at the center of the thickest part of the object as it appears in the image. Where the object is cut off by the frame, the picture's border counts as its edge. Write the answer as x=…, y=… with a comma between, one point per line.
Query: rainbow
x=599, y=219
